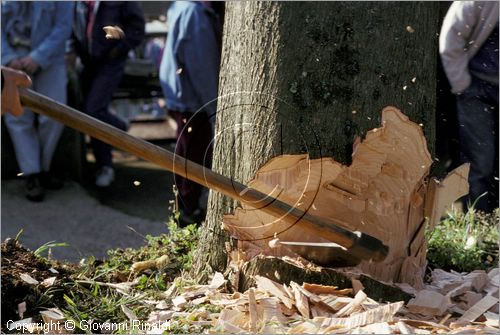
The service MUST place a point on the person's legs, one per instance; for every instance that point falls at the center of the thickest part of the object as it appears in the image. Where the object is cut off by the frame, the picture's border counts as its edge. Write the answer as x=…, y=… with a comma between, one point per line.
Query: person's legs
x=99, y=91
x=478, y=127
x=25, y=140
x=194, y=135
x=52, y=83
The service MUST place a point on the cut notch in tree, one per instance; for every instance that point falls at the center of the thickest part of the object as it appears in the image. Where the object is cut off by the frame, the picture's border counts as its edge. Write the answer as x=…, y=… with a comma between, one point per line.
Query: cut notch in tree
x=383, y=193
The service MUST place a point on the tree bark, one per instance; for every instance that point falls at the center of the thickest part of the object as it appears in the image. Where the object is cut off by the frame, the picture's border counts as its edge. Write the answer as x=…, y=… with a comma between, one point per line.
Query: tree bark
x=308, y=77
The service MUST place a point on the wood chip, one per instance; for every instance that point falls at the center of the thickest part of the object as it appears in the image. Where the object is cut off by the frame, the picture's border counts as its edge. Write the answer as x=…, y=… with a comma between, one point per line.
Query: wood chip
x=129, y=313
x=48, y=282
x=460, y=289
x=380, y=314
x=113, y=32
x=28, y=279
x=267, y=285
x=179, y=301
x=217, y=281
x=301, y=301
x=352, y=305
x=478, y=309
x=323, y=289
x=252, y=309
x=428, y=302
x=21, y=309
x=478, y=279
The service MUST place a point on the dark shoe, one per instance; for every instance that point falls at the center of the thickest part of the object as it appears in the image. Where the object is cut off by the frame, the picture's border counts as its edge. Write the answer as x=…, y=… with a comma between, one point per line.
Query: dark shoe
x=34, y=189
x=50, y=182
x=194, y=217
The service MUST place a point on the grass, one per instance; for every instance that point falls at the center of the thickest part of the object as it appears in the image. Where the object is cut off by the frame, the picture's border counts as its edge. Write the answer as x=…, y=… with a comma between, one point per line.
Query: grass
x=85, y=295
x=464, y=241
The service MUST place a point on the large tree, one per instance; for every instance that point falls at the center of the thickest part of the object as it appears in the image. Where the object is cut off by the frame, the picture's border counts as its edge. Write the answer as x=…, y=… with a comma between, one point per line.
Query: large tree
x=301, y=77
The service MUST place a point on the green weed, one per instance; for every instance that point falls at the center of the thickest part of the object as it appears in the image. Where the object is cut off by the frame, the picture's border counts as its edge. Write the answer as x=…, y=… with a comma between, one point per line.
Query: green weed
x=464, y=241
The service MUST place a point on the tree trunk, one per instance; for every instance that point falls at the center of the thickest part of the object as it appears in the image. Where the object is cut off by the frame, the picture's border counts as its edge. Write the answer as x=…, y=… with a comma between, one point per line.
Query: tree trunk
x=308, y=77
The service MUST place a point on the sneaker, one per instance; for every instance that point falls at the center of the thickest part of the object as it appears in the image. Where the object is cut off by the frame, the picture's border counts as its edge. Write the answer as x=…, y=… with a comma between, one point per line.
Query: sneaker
x=34, y=189
x=105, y=176
x=50, y=182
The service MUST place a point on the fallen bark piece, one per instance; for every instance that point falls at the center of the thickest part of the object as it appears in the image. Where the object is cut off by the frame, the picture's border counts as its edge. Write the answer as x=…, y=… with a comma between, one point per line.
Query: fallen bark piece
x=478, y=309
x=428, y=302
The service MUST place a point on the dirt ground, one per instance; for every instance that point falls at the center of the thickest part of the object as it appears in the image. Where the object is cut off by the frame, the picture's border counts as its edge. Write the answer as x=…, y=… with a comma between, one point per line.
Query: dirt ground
x=90, y=220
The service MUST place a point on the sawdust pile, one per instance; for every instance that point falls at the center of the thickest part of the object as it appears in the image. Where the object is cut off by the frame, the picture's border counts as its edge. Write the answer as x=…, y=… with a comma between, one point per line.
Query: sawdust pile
x=452, y=303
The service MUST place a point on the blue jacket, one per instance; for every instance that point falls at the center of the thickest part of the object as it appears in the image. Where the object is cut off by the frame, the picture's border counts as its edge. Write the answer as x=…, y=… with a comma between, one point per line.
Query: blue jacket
x=189, y=71
x=51, y=27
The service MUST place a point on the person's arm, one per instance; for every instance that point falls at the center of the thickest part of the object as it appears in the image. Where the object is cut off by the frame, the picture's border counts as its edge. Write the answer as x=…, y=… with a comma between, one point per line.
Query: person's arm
x=11, y=81
x=8, y=53
x=457, y=28
x=198, y=53
x=56, y=40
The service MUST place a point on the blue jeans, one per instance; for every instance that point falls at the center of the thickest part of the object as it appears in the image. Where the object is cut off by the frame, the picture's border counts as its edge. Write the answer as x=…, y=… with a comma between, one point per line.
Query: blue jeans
x=477, y=110
x=34, y=136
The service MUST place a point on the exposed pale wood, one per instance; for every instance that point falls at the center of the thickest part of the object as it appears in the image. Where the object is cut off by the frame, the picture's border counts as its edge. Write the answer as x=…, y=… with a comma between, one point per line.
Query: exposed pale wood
x=428, y=302
x=479, y=309
x=442, y=194
x=382, y=193
x=356, y=285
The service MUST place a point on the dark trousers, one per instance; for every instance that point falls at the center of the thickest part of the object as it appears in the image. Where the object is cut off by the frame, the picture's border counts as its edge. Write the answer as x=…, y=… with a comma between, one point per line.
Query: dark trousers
x=477, y=116
x=194, y=142
x=99, y=81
